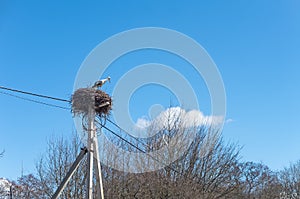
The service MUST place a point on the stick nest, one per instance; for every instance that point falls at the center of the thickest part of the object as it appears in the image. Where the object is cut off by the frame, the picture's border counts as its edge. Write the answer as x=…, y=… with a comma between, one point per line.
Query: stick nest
x=89, y=99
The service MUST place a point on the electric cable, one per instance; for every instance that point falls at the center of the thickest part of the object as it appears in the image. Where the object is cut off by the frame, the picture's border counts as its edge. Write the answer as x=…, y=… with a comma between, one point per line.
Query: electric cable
x=66, y=108
x=35, y=101
x=121, y=129
x=34, y=94
x=141, y=150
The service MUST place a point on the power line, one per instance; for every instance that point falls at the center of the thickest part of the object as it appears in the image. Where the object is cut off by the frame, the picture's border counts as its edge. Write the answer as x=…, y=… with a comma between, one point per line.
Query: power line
x=128, y=142
x=56, y=106
x=136, y=147
x=65, y=108
x=34, y=94
x=127, y=132
x=35, y=101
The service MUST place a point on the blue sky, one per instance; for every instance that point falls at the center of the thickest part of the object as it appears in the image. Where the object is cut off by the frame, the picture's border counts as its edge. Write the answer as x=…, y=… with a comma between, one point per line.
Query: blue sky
x=255, y=45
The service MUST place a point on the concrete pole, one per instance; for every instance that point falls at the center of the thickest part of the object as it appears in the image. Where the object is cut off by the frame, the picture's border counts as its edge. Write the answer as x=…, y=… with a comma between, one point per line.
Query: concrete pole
x=98, y=170
x=91, y=135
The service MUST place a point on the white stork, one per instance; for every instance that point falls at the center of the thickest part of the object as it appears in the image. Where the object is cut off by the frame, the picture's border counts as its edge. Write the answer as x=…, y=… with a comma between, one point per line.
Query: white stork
x=99, y=83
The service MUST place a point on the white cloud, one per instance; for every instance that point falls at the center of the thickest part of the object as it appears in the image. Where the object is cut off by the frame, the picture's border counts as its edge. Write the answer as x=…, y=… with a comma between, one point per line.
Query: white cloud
x=170, y=116
x=180, y=118
x=142, y=123
x=229, y=120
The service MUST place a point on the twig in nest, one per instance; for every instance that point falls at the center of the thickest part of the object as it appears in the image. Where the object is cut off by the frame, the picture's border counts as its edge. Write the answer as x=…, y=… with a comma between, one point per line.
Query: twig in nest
x=86, y=99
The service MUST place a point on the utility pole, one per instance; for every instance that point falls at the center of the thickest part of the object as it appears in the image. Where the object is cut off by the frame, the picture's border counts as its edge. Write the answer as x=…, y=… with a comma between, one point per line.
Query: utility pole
x=98, y=170
x=83, y=105
x=93, y=159
x=93, y=162
x=91, y=132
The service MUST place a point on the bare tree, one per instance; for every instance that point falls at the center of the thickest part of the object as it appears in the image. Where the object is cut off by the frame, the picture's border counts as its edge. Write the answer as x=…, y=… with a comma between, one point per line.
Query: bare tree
x=290, y=181
x=258, y=181
x=55, y=164
x=206, y=168
x=27, y=187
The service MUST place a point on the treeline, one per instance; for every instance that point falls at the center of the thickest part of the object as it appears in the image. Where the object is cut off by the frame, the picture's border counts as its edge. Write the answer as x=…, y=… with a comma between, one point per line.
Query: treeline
x=208, y=169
